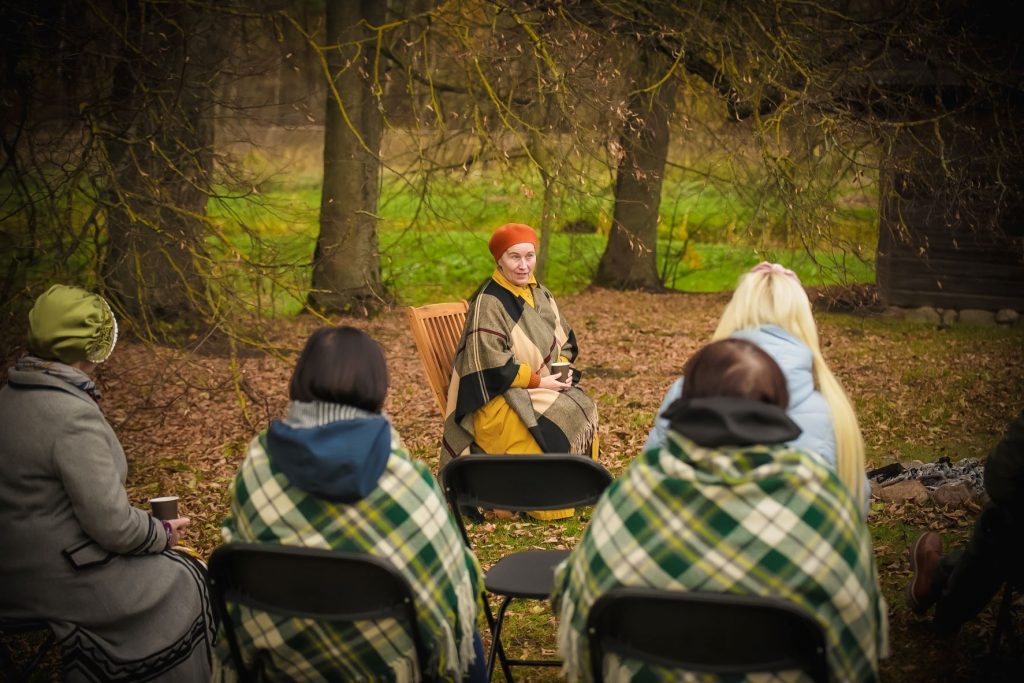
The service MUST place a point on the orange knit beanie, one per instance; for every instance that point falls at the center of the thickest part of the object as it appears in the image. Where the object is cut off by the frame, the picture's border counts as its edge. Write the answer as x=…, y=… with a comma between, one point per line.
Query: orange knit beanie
x=509, y=235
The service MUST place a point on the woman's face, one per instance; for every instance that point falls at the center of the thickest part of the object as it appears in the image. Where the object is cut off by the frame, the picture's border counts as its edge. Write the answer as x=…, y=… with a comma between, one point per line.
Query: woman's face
x=518, y=262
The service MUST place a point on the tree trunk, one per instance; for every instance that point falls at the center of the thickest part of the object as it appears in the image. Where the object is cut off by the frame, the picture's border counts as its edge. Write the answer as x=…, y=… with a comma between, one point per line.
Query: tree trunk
x=549, y=165
x=160, y=161
x=630, y=258
x=346, y=264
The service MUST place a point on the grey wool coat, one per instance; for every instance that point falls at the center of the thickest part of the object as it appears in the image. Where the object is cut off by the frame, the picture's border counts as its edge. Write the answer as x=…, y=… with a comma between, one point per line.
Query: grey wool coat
x=75, y=553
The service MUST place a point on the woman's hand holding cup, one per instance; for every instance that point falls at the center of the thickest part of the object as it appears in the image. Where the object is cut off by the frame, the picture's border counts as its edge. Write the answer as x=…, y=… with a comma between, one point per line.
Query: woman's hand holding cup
x=176, y=526
x=553, y=383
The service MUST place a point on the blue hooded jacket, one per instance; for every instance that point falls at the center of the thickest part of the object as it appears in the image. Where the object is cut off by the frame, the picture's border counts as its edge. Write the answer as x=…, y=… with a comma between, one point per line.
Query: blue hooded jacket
x=340, y=461
x=807, y=407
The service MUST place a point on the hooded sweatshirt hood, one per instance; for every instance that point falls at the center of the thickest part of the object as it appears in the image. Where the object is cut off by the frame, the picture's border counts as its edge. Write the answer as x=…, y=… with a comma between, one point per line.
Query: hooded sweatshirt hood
x=330, y=451
x=728, y=421
x=791, y=354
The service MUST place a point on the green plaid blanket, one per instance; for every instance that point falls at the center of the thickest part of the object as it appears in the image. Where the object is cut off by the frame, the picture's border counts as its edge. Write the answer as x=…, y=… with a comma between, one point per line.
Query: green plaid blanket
x=405, y=521
x=502, y=332
x=755, y=520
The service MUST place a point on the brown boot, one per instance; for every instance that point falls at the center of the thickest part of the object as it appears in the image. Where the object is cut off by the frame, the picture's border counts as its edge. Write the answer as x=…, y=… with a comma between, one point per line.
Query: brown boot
x=925, y=553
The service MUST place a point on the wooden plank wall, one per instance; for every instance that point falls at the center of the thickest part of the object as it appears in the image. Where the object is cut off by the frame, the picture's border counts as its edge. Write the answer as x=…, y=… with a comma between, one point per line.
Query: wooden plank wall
x=965, y=252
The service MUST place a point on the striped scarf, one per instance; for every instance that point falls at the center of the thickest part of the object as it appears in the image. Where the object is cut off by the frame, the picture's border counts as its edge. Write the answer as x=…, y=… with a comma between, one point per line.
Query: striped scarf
x=750, y=520
x=404, y=521
x=62, y=371
x=501, y=333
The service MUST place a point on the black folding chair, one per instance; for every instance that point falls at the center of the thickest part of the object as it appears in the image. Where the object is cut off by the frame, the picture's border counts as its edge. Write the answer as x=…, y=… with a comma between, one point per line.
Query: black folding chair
x=1005, y=632
x=11, y=628
x=520, y=483
x=715, y=633
x=326, y=585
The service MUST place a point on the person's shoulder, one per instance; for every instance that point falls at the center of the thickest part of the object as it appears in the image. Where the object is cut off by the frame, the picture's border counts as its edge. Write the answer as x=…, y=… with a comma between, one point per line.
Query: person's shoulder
x=40, y=387
x=796, y=456
x=544, y=290
x=810, y=404
x=488, y=289
x=405, y=467
x=400, y=460
x=492, y=301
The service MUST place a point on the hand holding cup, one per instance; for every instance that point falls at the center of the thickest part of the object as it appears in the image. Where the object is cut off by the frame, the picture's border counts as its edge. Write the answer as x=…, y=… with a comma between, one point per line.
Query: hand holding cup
x=563, y=369
x=176, y=526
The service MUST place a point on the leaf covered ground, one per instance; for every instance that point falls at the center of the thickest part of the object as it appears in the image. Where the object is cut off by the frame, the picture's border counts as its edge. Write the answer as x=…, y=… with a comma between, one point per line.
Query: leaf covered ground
x=185, y=418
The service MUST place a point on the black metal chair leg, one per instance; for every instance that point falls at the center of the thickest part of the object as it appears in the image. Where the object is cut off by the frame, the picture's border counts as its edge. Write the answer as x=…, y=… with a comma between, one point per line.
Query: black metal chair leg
x=490, y=628
x=8, y=667
x=41, y=652
x=1004, y=631
x=496, y=646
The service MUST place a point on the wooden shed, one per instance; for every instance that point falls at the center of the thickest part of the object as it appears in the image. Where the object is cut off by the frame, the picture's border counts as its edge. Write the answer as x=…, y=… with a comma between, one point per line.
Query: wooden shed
x=951, y=220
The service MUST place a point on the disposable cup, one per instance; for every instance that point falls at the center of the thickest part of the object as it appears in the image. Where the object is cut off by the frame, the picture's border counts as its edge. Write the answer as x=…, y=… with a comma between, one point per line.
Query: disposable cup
x=563, y=370
x=164, y=507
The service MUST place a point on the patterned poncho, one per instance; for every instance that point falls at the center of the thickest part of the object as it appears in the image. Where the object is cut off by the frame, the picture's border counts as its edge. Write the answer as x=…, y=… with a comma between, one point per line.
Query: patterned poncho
x=405, y=521
x=764, y=520
x=502, y=332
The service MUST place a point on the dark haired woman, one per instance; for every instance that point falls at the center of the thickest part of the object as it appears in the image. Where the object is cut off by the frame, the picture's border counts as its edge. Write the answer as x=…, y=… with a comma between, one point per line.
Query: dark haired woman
x=334, y=475
x=504, y=396
x=726, y=506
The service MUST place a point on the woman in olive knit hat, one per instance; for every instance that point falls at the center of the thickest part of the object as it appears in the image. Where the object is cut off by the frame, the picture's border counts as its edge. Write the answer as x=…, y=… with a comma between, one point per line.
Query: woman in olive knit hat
x=122, y=603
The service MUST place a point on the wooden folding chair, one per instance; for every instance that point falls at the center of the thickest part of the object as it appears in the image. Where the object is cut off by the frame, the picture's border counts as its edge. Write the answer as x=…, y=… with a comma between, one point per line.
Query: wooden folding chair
x=437, y=329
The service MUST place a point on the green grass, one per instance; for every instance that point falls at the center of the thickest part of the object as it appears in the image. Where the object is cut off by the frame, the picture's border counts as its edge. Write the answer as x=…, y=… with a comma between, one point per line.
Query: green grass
x=918, y=390
x=427, y=265
x=717, y=266
x=433, y=234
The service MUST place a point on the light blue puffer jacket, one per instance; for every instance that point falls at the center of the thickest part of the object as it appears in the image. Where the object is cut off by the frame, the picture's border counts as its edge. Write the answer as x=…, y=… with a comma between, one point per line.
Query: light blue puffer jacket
x=807, y=407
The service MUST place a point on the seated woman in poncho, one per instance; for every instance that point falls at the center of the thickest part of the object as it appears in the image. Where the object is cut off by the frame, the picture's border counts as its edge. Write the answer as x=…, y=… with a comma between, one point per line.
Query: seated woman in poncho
x=503, y=396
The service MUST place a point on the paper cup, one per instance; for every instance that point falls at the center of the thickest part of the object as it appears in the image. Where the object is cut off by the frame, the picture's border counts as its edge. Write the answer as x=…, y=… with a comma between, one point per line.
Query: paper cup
x=165, y=507
x=563, y=370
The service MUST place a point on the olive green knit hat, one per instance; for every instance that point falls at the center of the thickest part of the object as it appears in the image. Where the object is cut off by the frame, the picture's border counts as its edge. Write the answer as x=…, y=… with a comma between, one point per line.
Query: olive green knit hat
x=70, y=324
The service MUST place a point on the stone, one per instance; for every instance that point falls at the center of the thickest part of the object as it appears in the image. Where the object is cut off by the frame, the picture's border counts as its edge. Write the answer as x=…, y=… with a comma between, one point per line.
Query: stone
x=949, y=317
x=1007, y=316
x=902, y=491
x=895, y=312
x=976, y=316
x=952, y=495
x=924, y=314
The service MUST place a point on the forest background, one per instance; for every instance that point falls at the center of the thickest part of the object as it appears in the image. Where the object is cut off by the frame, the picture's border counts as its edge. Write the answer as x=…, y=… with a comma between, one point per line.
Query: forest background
x=232, y=174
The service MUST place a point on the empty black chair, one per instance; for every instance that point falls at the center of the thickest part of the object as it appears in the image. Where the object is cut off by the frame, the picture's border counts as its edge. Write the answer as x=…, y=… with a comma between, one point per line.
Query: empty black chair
x=715, y=633
x=10, y=627
x=520, y=483
x=327, y=585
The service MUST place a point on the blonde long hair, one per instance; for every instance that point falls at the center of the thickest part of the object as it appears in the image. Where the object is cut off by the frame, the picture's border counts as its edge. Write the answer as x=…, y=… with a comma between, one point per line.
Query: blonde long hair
x=772, y=295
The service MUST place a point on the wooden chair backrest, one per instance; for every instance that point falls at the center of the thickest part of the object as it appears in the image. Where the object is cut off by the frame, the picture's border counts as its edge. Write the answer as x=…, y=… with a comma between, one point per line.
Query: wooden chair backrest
x=437, y=329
